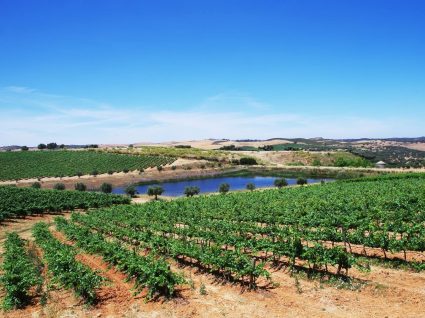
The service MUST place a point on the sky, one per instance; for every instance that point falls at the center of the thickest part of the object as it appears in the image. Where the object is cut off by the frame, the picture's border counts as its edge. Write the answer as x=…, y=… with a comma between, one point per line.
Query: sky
x=78, y=72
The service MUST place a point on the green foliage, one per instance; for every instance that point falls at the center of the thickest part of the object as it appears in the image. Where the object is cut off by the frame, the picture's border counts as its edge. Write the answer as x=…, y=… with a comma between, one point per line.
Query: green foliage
x=250, y=186
x=148, y=271
x=247, y=161
x=280, y=182
x=42, y=146
x=106, y=187
x=301, y=181
x=155, y=190
x=66, y=270
x=131, y=190
x=24, y=148
x=36, y=185
x=352, y=162
x=18, y=202
x=59, y=186
x=32, y=164
x=19, y=274
x=191, y=191
x=80, y=186
x=224, y=188
x=316, y=162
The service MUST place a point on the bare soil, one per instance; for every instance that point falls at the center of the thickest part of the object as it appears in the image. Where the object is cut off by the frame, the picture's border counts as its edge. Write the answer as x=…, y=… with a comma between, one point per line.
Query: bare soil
x=385, y=293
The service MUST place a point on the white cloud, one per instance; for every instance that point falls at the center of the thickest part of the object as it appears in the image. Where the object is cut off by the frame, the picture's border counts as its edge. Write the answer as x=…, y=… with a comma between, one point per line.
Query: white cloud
x=30, y=117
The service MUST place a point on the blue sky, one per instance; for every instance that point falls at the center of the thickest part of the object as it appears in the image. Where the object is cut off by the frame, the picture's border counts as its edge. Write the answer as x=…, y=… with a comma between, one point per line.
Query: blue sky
x=129, y=71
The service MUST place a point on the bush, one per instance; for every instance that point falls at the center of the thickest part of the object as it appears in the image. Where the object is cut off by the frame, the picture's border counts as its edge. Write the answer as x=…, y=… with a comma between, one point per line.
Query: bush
x=173, y=167
x=159, y=168
x=301, y=181
x=125, y=170
x=36, y=185
x=24, y=148
x=110, y=172
x=52, y=145
x=224, y=188
x=191, y=191
x=42, y=146
x=79, y=174
x=317, y=163
x=59, y=186
x=155, y=190
x=80, y=187
x=106, y=188
x=131, y=190
x=247, y=161
x=95, y=173
x=250, y=186
x=280, y=182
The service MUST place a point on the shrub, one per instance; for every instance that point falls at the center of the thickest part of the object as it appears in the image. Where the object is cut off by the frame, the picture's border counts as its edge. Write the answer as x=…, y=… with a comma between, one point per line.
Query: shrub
x=79, y=174
x=131, y=190
x=280, y=182
x=125, y=170
x=106, y=188
x=59, y=186
x=159, y=168
x=247, y=161
x=80, y=186
x=36, y=185
x=24, y=148
x=250, y=186
x=42, y=146
x=95, y=173
x=110, y=172
x=191, y=191
x=224, y=188
x=155, y=190
x=173, y=167
x=316, y=162
x=301, y=181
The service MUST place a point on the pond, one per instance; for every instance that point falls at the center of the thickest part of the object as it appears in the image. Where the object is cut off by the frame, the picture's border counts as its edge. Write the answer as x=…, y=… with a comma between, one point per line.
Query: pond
x=208, y=185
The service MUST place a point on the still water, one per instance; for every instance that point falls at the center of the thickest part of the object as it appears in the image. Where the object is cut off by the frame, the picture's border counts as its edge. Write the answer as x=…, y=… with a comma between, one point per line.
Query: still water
x=176, y=188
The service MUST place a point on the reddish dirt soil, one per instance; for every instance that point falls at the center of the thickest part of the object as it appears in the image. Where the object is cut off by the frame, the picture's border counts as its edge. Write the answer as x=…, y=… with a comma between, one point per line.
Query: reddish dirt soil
x=386, y=293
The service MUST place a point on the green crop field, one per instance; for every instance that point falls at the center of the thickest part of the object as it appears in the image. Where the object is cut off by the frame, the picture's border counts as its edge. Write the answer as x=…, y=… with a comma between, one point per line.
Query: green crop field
x=239, y=236
x=19, y=202
x=36, y=164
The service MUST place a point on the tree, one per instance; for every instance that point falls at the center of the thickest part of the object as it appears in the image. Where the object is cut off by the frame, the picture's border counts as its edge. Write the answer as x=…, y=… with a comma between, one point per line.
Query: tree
x=280, y=182
x=191, y=191
x=131, y=190
x=59, y=186
x=42, y=146
x=62, y=146
x=247, y=161
x=95, y=173
x=79, y=174
x=80, y=186
x=301, y=181
x=36, y=185
x=224, y=188
x=125, y=170
x=155, y=190
x=24, y=148
x=106, y=188
x=159, y=168
x=52, y=145
x=250, y=186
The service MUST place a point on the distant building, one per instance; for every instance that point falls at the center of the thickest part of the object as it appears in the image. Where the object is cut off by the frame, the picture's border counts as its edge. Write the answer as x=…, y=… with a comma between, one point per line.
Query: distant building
x=380, y=164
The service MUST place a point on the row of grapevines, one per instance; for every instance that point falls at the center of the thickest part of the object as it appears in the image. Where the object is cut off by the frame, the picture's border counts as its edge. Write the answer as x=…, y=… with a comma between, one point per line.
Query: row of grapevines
x=19, y=202
x=148, y=271
x=19, y=273
x=37, y=164
x=66, y=270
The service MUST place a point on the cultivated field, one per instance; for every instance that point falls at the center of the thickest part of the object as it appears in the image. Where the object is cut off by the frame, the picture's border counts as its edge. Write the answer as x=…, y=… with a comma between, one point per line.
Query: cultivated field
x=343, y=249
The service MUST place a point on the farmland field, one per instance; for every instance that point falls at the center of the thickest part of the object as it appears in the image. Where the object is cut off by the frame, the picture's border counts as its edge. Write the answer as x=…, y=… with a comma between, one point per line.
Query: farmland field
x=38, y=164
x=331, y=234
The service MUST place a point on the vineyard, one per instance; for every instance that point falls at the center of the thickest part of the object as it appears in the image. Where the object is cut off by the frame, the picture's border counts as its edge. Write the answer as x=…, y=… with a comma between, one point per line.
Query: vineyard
x=243, y=238
x=61, y=163
x=20, y=202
